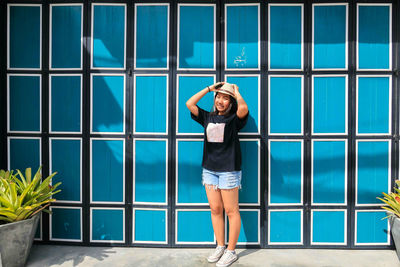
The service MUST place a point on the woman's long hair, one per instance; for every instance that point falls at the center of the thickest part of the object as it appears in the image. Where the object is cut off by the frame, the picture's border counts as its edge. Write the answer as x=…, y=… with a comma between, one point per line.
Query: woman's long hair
x=231, y=109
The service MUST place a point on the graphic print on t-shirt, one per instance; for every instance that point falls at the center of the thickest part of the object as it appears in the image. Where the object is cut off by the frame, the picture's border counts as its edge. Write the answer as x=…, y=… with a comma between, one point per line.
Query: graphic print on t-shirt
x=215, y=132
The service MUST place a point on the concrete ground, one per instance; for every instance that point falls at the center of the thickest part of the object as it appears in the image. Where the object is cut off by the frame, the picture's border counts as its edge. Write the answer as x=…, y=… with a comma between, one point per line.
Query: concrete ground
x=50, y=255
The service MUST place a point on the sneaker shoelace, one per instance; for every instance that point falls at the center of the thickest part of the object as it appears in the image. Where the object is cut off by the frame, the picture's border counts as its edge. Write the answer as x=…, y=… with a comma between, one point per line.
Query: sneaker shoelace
x=226, y=257
x=217, y=251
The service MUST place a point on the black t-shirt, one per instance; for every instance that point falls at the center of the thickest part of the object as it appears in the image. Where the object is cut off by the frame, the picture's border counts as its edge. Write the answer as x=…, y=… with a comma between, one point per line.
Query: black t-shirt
x=221, y=142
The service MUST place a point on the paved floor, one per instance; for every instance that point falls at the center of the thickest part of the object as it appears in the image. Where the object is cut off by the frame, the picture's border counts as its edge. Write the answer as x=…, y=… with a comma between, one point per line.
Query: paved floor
x=45, y=255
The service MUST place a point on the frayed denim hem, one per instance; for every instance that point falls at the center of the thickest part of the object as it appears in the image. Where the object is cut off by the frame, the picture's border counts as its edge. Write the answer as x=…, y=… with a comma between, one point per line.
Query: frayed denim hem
x=210, y=186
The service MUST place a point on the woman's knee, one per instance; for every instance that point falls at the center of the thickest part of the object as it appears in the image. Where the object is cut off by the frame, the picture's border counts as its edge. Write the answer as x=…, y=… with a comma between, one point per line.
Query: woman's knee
x=232, y=211
x=216, y=209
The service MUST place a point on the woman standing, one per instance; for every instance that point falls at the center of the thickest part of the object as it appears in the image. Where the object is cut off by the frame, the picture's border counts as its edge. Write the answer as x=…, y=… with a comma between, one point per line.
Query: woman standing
x=222, y=162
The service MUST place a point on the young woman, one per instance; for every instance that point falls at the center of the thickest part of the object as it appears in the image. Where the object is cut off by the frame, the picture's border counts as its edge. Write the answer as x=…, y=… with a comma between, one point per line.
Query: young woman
x=222, y=162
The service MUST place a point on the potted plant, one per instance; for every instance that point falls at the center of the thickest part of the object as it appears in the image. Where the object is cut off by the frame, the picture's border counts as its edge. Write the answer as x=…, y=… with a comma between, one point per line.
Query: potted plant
x=22, y=198
x=393, y=211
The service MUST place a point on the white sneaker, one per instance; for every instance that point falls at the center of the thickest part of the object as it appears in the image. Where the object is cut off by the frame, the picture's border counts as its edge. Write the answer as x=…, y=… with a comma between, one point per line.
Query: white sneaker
x=227, y=259
x=218, y=252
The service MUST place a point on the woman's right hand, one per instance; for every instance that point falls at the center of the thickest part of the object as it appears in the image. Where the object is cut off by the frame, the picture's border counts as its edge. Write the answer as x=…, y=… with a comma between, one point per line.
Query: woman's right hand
x=216, y=86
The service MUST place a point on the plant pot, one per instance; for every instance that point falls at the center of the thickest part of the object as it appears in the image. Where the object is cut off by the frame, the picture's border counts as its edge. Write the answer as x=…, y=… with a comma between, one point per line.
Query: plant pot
x=16, y=241
x=395, y=229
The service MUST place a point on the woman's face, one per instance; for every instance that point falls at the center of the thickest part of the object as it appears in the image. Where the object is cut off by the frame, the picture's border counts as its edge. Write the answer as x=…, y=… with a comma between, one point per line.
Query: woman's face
x=222, y=102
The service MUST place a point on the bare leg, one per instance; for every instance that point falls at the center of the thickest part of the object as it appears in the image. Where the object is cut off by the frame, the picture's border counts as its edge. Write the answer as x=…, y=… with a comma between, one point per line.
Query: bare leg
x=217, y=217
x=230, y=199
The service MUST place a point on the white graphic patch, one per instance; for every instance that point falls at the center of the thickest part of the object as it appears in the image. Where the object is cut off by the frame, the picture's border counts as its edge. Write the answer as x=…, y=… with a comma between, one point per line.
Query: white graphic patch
x=215, y=132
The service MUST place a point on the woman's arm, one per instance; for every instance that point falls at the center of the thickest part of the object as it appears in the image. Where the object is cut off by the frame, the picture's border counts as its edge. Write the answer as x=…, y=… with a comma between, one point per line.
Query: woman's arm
x=242, y=106
x=192, y=102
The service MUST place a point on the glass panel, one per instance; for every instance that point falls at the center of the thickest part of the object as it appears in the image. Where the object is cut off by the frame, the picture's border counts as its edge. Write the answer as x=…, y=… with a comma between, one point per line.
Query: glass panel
x=24, y=103
x=285, y=227
x=371, y=228
x=372, y=170
x=196, y=37
x=24, y=153
x=373, y=104
x=329, y=100
x=66, y=36
x=25, y=28
x=66, y=161
x=108, y=36
x=242, y=37
x=107, y=224
x=250, y=191
x=108, y=103
x=328, y=226
x=330, y=37
x=329, y=172
x=285, y=29
x=285, y=172
x=151, y=100
x=151, y=36
x=107, y=170
x=285, y=104
x=65, y=100
x=194, y=226
x=189, y=172
x=150, y=171
x=374, y=37
x=150, y=225
x=66, y=223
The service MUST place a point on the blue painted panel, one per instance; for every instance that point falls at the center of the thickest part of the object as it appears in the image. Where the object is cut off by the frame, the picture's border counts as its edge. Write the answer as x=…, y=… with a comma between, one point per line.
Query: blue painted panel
x=24, y=25
x=285, y=105
x=249, y=192
x=107, y=170
x=329, y=161
x=285, y=164
x=373, y=37
x=373, y=172
x=150, y=171
x=285, y=37
x=24, y=103
x=329, y=226
x=151, y=100
x=66, y=161
x=195, y=226
x=329, y=105
x=188, y=86
x=66, y=34
x=373, y=104
x=66, y=103
x=190, y=188
x=249, y=226
x=108, y=36
x=248, y=88
x=107, y=224
x=24, y=153
x=330, y=37
x=285, y=226
x=150, y=225
x=242, y=37
x=196, y=37
x=108, y=104
x=151, y=36
x=66, y=223
x=371, y=228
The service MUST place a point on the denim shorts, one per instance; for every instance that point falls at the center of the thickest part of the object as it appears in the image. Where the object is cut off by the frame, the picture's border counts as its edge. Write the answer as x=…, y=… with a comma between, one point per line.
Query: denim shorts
x=222, y=180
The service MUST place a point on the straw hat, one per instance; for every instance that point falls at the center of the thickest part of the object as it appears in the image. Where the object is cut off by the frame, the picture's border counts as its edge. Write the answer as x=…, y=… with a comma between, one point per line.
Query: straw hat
x=228, y=89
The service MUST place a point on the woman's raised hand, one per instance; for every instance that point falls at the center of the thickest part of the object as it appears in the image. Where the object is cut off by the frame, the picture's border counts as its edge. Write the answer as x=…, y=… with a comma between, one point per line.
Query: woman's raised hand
x=216, y=86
